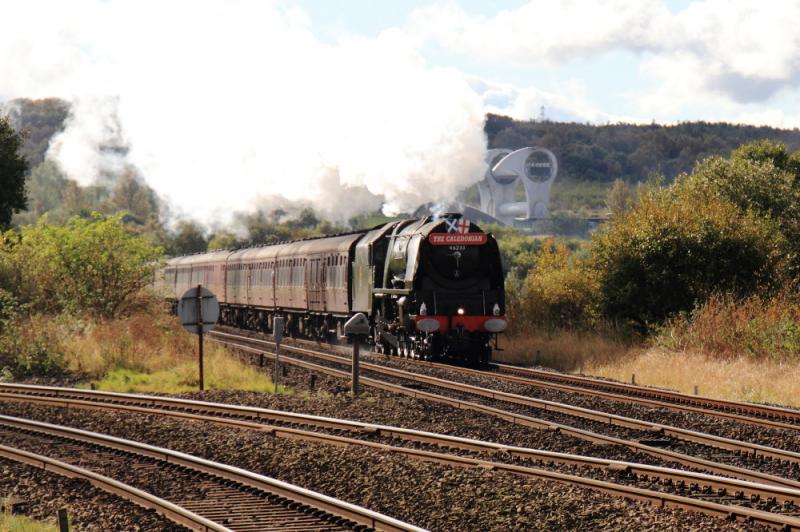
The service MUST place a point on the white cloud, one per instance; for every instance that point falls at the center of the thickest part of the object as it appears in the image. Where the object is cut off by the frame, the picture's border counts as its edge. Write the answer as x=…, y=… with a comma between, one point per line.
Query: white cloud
x=222, y=103
x=543, y=30
x=524, y=103
x=738, y=49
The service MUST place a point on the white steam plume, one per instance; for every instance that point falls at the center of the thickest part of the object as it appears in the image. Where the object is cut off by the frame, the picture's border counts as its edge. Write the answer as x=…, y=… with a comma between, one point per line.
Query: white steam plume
x=221, y=103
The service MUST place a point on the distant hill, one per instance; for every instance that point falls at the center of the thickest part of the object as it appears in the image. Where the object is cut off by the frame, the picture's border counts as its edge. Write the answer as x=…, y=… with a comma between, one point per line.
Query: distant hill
x=590, y=158
x=586, y=152
x=627, y=151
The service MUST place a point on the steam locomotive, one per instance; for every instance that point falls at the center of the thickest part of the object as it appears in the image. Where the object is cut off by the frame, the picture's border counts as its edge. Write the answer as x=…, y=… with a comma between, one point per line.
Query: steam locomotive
x=432, y=287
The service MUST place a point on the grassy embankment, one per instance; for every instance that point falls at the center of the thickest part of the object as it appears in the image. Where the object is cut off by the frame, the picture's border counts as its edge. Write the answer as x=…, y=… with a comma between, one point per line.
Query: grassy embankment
x=740, y=350
x=20, y=523
x=145, y=352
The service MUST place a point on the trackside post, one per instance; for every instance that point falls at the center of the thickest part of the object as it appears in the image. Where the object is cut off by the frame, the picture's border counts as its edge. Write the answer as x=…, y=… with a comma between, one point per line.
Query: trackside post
x=200, y=336
x=277, y=335
x=356, y=329
x=198, y=311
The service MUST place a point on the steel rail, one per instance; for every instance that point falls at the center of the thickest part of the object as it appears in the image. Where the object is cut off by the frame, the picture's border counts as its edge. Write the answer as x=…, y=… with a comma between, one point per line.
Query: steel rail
x=719, y=442
x=630, y=399
x=739, y=411
x=528, y=421
x=765, y=411
x=91, y=401
x=169, y=510
x=642, y=395
x=342, y=509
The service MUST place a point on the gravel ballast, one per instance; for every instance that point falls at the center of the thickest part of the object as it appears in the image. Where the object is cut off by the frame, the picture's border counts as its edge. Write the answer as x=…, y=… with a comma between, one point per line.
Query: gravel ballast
x=429, y=495
x=42, y=494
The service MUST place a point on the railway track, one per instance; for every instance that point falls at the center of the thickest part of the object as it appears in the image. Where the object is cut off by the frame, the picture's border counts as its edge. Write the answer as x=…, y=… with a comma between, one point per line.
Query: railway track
x=739, y=412
x=637, y=435
x=764, y=415
x=774, y=417
x=718, y=496
x=205, y=495
x=173, y=512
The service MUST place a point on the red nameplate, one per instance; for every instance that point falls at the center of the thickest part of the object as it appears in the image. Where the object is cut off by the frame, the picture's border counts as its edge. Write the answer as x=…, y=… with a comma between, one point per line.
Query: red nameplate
x=457, y=239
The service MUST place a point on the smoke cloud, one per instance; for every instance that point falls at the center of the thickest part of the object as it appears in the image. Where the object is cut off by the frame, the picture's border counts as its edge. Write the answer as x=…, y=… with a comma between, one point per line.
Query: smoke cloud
x=228, y=105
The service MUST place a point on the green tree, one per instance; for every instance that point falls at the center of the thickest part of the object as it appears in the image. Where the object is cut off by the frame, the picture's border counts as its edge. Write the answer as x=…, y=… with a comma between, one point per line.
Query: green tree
x=261, y=230
x=133, y=196
x=222, y=240
x=95, y=265
x=306, y=219
x=40, y=120
x=188, y=238
x=675, y=248
x=759, y=177
x=46, y=186
x=763, y=151
x=13, y=168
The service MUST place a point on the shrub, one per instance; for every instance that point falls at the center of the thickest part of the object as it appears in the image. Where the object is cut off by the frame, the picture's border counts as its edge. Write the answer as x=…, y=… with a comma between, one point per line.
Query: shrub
x=727, y=326
x=559, y=292
x=761, y=178
x=31, y=346
x=675, y=248
x=86, y=265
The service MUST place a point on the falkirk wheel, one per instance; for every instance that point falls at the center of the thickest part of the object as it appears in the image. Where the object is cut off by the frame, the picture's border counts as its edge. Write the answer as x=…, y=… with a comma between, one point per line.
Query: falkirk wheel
x=535, y=168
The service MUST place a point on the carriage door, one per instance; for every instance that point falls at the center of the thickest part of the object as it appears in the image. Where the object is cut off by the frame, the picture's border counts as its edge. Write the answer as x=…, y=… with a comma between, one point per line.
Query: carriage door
x=323, y=284
x=248, y=283
x=314, y=284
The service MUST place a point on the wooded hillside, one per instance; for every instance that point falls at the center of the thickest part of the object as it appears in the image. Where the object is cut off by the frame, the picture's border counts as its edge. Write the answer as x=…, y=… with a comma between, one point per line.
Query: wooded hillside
x=627, y=151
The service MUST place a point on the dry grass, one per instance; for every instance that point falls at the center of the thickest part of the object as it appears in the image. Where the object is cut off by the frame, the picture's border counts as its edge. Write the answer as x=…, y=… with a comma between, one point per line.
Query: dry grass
x=739, y=379
x=563, y=350
x=763, y=329
x=728, y=327
x=21, y=523
x=152, y=353
x=146, y=352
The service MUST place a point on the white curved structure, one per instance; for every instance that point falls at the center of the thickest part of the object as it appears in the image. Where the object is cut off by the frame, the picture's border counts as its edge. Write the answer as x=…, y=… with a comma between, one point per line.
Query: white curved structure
x=536, y=168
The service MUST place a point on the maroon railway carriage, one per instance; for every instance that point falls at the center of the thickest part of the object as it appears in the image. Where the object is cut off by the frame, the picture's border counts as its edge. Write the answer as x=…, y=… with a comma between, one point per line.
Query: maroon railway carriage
x=431, y=288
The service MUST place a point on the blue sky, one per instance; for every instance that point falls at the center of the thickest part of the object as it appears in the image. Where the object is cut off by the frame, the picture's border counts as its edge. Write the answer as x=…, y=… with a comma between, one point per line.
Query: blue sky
x=613, y=78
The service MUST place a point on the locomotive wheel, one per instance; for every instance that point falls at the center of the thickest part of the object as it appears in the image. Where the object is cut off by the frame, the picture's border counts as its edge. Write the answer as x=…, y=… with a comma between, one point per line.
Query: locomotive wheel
x=413, y=352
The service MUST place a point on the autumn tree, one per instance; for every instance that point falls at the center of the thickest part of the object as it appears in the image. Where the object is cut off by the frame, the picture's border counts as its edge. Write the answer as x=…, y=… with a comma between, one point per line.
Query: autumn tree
x=675, y=249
